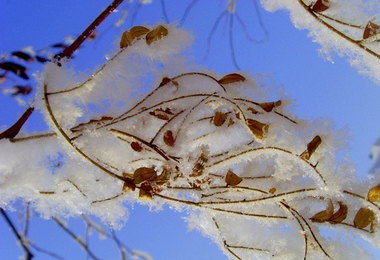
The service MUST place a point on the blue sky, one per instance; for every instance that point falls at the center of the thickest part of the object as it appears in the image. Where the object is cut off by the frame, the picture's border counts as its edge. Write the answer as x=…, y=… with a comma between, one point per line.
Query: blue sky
x=320, y=88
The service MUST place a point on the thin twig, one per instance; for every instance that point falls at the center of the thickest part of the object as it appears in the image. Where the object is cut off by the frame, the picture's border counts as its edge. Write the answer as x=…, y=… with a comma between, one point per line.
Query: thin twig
x=28, y=254
x=75, y=237
x=66, y=53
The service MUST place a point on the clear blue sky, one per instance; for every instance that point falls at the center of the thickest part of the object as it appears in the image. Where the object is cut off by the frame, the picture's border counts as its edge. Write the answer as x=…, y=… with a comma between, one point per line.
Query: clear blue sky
x=320, y=88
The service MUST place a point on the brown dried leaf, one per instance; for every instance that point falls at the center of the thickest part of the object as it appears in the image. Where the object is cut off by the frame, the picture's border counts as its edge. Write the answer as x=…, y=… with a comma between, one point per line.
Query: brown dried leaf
x=340, y=215
x=230, y=122
x=320, y=6
x=374, y=194
x=160, y=113
x=254, y=111
x=129, y=186
x=144, y=174
x=257, y=128
x=311, y=147
x=370, y=30
x=199, y=166
x=129, y=36
x=231, y=78
x=363, y=218
x=272, y=190
x=324, y=215
x=146, y=195
x=219, y=118
x=156, y=34
x=168, y=138
x=232, y=179
x=136, y=146
x=165, y=80
x=268, y=106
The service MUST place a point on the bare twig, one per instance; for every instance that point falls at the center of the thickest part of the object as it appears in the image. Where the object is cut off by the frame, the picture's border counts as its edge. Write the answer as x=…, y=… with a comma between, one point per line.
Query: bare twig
x=66, y=53
x=75, y=237
x=28, y=254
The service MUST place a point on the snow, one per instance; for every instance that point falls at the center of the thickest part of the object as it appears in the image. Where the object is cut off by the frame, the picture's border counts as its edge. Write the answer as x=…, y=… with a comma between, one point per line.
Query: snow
x=353, y=16
x=143, y=92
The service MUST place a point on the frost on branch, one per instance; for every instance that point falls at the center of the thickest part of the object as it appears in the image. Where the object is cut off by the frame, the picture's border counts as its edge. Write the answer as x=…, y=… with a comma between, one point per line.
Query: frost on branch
x=148, y=128
x=346, y=27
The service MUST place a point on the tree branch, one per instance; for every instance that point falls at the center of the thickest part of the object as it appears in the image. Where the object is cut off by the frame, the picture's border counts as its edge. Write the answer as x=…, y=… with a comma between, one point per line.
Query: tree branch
x=29, y=255
x=66, y=53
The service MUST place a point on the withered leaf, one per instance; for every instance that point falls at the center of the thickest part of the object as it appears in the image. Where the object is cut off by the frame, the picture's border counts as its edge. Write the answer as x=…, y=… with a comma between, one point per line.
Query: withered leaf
x=374, y=194
x=321, y=5
x=129, y=186
x=146, y=195
x=168, y=138
x=59, y=45
x=363, y=218
x=231, y=78
x=324, y=215
x=370, y=30
x=22, y=55
x=219, y=118
x=145, y=191
x=144, y=174
x=272, y=190
x=41, y=59
x=232, y=179
x=340, y=215
x=197, y=170
x=15, y=68
x=21, y=90
x=254, y=111
x=129, y=36
x=268, y=106
x=230, y=122
x=311, y=147
x=257, y=128
x=160, y=114
x=136, y=146
x=199, y=165
x=156, y=34
x=165, y=80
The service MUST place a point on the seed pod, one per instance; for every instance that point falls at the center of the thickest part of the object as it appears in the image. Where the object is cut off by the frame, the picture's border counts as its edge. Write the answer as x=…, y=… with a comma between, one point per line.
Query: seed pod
x=156, y=34
x=324, y=215
x=129, y=36
x=136, y=146
x=268, y=106
x=340, y=215
x=231, y=78
x=321, y=5
x=257, y=128
x=363, y=218
x=168, y=138
x=144, y=174
x=219, y=118
x=311, y=147
x=370, y=30
x=374, y=194
x=232, y=179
